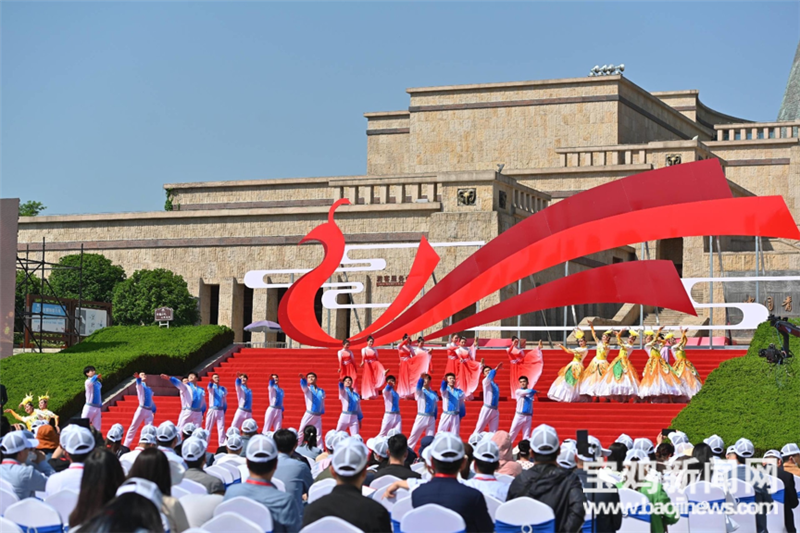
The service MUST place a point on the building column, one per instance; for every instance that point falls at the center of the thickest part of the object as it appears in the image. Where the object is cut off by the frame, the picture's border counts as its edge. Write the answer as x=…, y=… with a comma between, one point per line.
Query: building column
x=230, y=306
x=259, y=312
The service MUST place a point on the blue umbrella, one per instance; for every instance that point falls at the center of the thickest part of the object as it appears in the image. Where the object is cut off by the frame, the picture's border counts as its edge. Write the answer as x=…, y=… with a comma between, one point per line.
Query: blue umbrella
x=263, y=326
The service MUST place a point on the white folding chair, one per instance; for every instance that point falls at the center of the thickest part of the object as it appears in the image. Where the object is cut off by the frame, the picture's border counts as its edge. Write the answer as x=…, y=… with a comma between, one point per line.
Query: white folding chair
x=280, y=485
x=199, y=508
x=636, y=517
x=388, y=503
x=679, y=501
x=432, y=517
x=5, y=485
x=252, y=510
x=63, y=501
x=231, y=467
x=492, y=504
x=330, y=524
x=399, y=510
x=192, y=487
x=383, y=481
x=33, y=514
x=7, y=497
x=179, y=492
x=7, y=526
x=231, y=523
x=705, y=501
x=524, y=512
x=775, y=521
x=419, y=468
x=195, y=530
x=220, y=473
x=320, y=489
x=505, y=478
x=744, y=496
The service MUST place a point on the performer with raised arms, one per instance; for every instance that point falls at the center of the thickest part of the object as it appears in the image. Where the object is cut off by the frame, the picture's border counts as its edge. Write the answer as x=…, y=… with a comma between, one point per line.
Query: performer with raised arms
x=413, y=363
x=94, y=398
x=453, y=409
x=273, y=418
x=374, y=375
x=690, y=378
x=391, y=404
x=217, y=396
x=315, y=404
x=244, y=397
x=43, y=413
x=659, y=382
x=528, y=364
x=30, y=412
x=468, y=371
x=593, y=375
x=566, y=387
x=489, y=416
x=192, y=399
x=620, y=381
x=351, y=407
x=524, y=414
x=452, y=358
x=146, y=410
x=347, y=362
x=425, y=422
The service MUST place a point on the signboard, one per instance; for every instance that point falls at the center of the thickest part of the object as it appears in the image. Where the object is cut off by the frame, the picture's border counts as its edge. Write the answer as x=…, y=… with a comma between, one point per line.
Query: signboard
x=92, y=320
x=54, y=319
x=164, y=314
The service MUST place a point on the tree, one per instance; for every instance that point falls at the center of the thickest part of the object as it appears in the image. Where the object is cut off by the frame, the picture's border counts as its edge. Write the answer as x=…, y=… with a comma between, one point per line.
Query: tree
x=100, y=276
x=137, y=298
x=31, y=208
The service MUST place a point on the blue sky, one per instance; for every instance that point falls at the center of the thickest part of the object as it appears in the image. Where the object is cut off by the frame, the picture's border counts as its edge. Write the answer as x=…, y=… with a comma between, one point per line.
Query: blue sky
x=103, y=103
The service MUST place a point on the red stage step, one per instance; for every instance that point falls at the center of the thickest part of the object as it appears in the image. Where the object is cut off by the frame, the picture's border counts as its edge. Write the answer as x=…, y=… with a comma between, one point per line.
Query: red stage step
x=603, y=420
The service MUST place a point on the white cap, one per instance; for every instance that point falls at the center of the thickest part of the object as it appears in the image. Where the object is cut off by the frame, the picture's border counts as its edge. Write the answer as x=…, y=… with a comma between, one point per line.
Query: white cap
x=36, y=424
x=392, y=432
x=645, y=445
x=716, y=444
x=772, y=453
x=426, y=456
x=350, y=457
x=201, y=434
x=677, y=437
x=474, y=439
x=14, y=442
x=268, y=434
x=636, y=455
x=78, y=441
x=487, y=451
x=188, y=428
x=790, y=449
x=447, y=448
x=596, y=450
x=115, y=433
x=626, y=440
x=166, y=431
x=147, y=438
x=293, y=430
x=232, y=431
x=382, y=448
x=566, y=459
x=249, y=426
x=744, y=448
x=142, y=487
x=684, y=448
x=261, y=449
x=234, y=442
x=731, y=449
x=330, y=437
x=193, y=449
x=544, y=439
x=359, y=438
x=149, y=429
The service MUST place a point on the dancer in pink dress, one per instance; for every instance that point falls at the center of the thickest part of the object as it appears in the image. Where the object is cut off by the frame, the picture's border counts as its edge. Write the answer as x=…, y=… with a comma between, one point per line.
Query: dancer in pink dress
x=414, y=362
x=528, y=364
x=468, y=372
x=452, y=357
x=374, y=375
x=347, y=362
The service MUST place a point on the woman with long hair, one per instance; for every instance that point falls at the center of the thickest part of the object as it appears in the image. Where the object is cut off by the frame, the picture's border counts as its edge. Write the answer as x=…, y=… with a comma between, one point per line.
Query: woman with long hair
x=620, y=381
x=309, y=447
x=374, y=375
x=102, y=476
x=153, y=465
x=566, y=387
x=528, y=364
x=127, y=513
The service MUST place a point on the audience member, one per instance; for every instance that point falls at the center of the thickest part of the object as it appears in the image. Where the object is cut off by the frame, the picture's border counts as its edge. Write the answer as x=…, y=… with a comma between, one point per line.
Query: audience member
x=638, y=464
x=447, y=457
x=309, y=447
x=153, y=465
x=147, y=439
x=249, y=430
x=546, y=482
x=48, y=442
x=791, y=457
x=127, y=513
x=114, y=440
x=349, y=463
x=233, y=449
x=524, y=454
x=508, y=465
x=744, y=450
x=78, y=442
x=102, y=476
x=597, y=490
x=262, y=461
x=466, y=471
x=487, y=461
x=194, y=453
x=396, y=466
x=26, y=477
x=790, y=493
x=295, y=475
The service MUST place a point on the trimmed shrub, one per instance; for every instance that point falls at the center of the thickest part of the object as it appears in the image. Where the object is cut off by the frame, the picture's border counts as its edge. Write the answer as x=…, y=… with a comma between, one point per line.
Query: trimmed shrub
x=742, y=398
x=117, y=352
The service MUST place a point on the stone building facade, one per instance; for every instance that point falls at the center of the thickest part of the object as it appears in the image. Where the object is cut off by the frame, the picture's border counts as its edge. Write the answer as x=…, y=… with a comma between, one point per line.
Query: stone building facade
x=433, y=170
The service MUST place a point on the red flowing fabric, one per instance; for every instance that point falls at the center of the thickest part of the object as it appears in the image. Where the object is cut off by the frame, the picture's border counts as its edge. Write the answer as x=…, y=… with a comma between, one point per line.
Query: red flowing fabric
x=528, y=364
x=374, y=375
x=348, y=369
x=412, y=365
x=468, y=372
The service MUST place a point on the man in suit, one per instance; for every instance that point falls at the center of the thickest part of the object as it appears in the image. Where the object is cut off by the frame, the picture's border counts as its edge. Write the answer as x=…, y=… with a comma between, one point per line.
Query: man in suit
x=447, y=456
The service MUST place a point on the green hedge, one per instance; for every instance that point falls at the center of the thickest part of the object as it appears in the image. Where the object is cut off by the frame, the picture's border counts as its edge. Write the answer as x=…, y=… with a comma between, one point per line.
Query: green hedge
x=741, y=398
x=117, y=352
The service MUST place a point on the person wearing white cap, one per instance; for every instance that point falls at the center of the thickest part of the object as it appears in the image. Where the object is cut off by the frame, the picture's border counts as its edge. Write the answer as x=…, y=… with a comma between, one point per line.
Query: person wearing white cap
x=645, y=445
x=26, y=477
x=489, y=415
x=626, y=440
x=550, y=484
x=598, y=489
x=425, y=421
x=716, y=444
x=147, y=439
x=315, y=403
x=486, y=456
x=146, y=410
x=791, y=454
x=523, y=416
x=94, y=398
x=346, y=501
x=78, y=442
x=637, y=465
x=192, y=399
x=453, y=408
x=249, y=428
x=273, y=416
x=391, y=406
x=351, y=407
x=233, y=447
x=215, y=416
x=114, y=440
x=193, y=451
x=447, y=458
x=262, y=461
x=790, y=501
x=167, y=437
x=745, y=450
x=244, y=397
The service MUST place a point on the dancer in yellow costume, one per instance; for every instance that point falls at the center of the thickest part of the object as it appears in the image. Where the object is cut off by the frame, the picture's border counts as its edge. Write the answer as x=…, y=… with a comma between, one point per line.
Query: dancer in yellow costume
x=690, y=378
x=43, y=413
x=620, y=382
x=593, y=374
x=27, y=405
x=659, y=382
x=566, y=387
